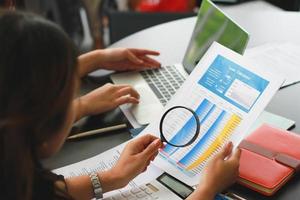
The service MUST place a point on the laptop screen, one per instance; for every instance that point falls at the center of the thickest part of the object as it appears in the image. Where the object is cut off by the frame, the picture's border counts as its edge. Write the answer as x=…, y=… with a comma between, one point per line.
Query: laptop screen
x=213, y=25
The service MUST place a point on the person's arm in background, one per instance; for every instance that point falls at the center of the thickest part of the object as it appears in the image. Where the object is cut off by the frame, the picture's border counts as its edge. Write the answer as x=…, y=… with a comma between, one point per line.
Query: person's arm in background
x=110, y=96
x=220, y=173
x=134, y=159
x=118, y=59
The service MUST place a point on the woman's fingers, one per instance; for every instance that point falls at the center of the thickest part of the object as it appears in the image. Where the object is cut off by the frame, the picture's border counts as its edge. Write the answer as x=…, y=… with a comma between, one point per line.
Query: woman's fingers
x=145, y=140
x=154, y=156
x=149, y=62
x=127, y=91
x=133, y=58
x=120, y=86
x=236, y=155
x=126, y=99
x=147, y=164
x=126, y=94
x=145, y=52
x=226, y=151
x=151, y=149
x=140, y=58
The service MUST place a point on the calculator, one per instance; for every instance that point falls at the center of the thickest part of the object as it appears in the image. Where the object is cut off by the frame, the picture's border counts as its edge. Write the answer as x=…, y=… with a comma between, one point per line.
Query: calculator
x=162, y=188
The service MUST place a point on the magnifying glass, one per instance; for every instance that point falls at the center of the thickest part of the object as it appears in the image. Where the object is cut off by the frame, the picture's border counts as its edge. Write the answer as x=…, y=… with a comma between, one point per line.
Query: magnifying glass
x=179, y=126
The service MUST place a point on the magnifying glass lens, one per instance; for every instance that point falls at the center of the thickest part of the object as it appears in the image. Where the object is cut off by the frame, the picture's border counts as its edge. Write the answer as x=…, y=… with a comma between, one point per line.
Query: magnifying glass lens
x=179, y=126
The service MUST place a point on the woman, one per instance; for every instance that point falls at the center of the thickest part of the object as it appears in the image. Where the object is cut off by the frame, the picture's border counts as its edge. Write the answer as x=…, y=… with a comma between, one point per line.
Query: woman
x=39, y=77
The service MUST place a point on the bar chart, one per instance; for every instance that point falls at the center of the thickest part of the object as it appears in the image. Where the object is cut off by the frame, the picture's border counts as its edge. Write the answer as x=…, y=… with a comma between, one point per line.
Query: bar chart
x=217, y=125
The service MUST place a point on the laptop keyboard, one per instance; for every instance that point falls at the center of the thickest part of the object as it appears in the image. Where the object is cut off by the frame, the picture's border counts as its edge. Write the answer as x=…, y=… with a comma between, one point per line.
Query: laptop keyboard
x=164, y=82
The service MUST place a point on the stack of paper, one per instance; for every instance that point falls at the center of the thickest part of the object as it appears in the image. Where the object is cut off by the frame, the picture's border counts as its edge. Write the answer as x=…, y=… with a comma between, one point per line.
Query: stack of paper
x=281, y=58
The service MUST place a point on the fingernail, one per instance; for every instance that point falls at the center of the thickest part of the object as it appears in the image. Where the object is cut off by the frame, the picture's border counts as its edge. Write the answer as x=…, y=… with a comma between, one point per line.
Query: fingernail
x=157, y=141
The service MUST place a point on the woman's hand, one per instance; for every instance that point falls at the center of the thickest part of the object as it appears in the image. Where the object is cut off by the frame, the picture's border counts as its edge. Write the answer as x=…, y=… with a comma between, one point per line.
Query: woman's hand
x=136, y=157
x=220, y=173
x=123, y=59
x=104, y=99
x=119, y=59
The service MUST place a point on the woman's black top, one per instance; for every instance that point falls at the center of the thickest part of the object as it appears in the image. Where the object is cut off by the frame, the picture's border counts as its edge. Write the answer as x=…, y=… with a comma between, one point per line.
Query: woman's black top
x=49, y=186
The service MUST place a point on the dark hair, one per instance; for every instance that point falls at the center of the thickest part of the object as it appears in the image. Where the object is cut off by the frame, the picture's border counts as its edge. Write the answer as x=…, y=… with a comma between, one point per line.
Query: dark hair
x=38, y=67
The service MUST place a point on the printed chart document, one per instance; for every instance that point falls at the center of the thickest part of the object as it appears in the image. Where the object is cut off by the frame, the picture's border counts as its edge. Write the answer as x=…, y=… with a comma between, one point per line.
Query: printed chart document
x=228, y=94
x=279, y=58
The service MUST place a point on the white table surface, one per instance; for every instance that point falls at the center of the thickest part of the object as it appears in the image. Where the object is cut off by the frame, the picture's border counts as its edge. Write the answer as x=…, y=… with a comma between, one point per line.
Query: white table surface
x=264, y=22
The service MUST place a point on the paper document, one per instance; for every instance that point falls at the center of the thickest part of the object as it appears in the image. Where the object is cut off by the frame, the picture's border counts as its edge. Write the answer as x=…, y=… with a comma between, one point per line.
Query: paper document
x=105, y=161
x=129, y=116
x=278, y=58
x=228, y=94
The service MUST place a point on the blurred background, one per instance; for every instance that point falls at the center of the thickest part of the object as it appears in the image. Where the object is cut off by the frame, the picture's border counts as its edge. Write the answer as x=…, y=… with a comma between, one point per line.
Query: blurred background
x=98, y=23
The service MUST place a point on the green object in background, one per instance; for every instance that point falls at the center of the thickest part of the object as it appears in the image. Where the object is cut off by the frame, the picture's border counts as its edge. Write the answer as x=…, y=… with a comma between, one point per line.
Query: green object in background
x=226, y=1
x=213, y=25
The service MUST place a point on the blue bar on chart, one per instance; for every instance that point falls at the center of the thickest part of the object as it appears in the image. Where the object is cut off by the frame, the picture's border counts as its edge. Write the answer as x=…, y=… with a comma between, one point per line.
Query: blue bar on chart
x=217, y=125
x=202, y=111
x=196, y=150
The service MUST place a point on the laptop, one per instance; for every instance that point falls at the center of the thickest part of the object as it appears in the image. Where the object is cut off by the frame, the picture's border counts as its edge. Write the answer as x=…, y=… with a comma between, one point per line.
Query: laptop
x=156, y=87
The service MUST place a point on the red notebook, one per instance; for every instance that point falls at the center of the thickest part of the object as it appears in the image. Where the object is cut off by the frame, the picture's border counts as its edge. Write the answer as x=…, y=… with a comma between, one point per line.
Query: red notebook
x=269, y=158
